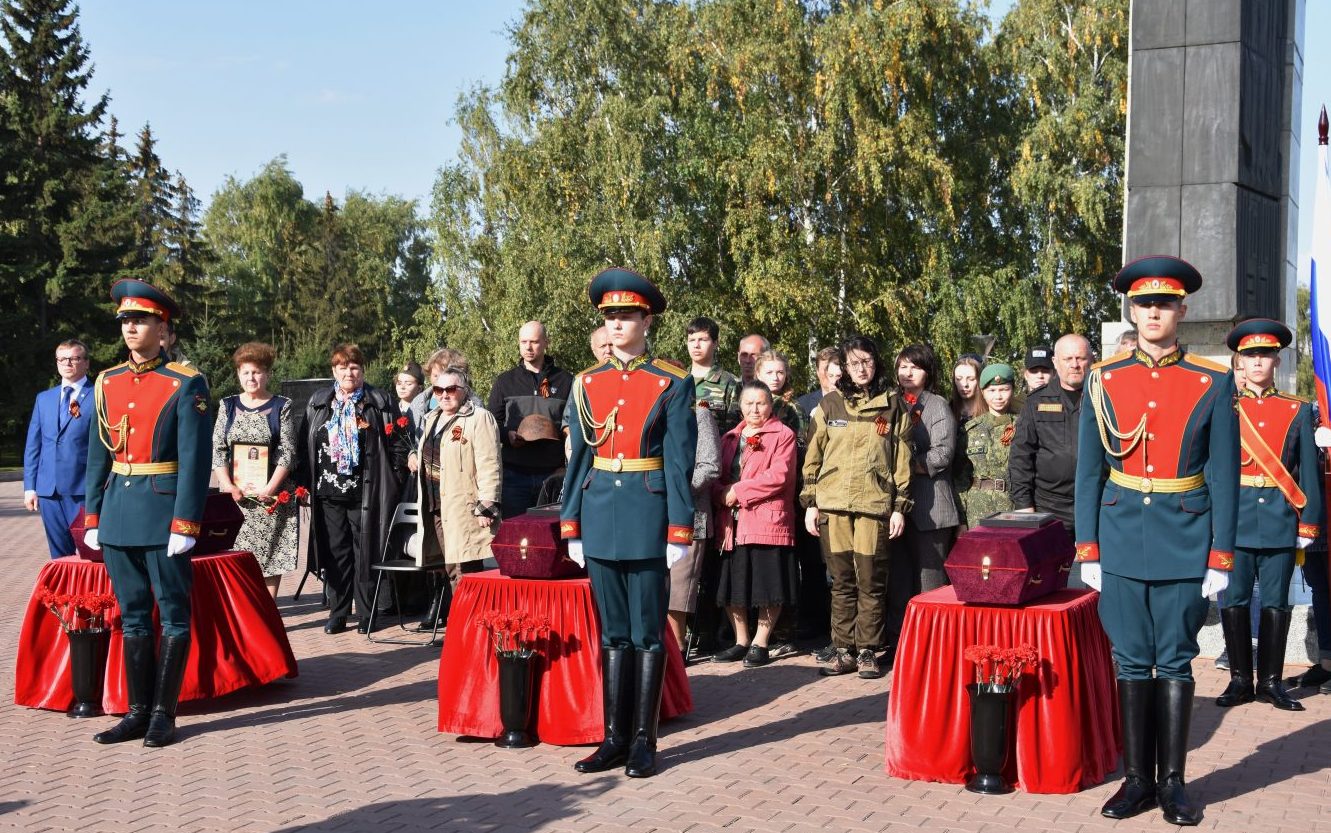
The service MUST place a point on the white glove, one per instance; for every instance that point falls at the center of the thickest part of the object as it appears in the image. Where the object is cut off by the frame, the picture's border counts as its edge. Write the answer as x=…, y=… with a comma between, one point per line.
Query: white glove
x=1303, y=543
x=178, y=544
x=675, y=552
x=90, y=540
x=1215, y=581
x=575, y=552
x=1322, y=437
x=1090, y=573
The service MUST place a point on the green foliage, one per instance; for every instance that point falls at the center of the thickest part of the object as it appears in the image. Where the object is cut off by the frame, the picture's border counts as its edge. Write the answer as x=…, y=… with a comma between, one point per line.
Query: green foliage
x=1303, y=345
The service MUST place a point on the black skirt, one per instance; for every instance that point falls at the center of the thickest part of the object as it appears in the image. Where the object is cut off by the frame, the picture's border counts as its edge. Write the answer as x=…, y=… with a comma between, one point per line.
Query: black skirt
x=758, y=576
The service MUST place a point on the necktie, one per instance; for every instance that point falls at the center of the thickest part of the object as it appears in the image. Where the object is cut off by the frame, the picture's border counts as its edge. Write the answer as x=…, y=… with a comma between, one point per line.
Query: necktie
x=64, y=405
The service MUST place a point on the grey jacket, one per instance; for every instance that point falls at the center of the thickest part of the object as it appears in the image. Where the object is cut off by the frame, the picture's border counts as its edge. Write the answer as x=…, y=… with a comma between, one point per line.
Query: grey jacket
x=706, y=468
x=933, y=439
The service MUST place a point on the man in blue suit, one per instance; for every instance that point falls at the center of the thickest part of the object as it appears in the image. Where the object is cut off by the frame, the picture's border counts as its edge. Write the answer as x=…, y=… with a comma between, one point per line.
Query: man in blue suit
x=56, y=455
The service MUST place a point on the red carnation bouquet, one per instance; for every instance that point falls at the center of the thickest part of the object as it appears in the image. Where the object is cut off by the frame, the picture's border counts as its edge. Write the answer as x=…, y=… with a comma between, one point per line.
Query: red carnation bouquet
x=80, y=611
x=998, y=669
x=515, y=635
x=271, y=502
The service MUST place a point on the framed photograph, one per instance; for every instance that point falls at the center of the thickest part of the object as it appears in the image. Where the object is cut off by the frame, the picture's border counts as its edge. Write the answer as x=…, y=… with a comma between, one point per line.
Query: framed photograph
x=249, y=466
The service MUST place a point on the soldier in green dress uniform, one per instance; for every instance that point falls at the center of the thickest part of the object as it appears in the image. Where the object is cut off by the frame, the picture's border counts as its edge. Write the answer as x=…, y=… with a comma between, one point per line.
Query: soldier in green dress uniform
x=146, y=482
x=1280, y=507
x=1156, y=500
x=988, y=438
x=628, y=510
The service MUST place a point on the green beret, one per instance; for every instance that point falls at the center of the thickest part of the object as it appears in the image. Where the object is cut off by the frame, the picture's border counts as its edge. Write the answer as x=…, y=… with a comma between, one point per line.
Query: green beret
x=997, y=374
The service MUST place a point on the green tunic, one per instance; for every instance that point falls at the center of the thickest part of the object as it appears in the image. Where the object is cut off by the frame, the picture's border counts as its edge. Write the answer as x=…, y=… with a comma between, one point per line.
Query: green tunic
x=988, y=438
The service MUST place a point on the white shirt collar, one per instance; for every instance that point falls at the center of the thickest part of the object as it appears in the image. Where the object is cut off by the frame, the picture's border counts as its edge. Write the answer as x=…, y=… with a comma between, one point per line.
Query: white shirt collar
x=77, y=384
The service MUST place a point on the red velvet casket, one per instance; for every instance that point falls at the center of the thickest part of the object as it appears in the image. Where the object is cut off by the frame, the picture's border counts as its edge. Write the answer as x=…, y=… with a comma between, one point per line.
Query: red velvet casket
x=221, y=523
x=1010, y=565
x=529, y=546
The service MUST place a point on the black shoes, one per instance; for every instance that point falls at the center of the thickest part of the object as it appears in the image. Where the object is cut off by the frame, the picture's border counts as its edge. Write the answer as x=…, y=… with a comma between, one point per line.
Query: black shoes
x=337, y=624
x=1137, y=794
x=734, y=653
x=1272, y=631
x=170, y=675
x=1312, y=678
x=757, y=656
x=617, y=699
x=140, y=670
x=1238, y=644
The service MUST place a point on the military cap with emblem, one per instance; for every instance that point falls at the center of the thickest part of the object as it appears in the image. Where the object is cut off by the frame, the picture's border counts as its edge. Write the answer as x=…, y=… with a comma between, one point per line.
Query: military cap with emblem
x=1157, y=278
x=1039, y=356
x=619, y=288
x=135, y=297
x=997, y=374
x=1258, y=334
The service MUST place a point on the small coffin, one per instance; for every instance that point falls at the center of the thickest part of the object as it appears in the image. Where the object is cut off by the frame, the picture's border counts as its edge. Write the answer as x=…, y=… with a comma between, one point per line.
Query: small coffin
x=221, y=523
x=1010, y=565
x=529, y=546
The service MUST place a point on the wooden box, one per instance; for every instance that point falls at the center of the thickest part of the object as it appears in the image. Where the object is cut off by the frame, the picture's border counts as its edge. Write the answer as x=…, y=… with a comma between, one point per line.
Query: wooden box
x=221, y=523
x=529, y=546
x=1010, y=565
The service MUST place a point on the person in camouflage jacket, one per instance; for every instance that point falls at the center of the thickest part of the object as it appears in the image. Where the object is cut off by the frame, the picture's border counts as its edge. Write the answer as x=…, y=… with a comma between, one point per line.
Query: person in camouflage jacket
x=988, y=437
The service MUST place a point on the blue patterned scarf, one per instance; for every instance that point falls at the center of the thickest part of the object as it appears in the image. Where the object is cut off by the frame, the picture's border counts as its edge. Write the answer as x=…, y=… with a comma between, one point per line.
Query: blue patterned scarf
x=343, y=435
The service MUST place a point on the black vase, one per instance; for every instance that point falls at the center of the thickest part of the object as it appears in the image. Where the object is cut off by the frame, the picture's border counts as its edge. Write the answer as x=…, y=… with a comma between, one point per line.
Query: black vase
x=515, y=677
x=87, y=669
x=991, y=715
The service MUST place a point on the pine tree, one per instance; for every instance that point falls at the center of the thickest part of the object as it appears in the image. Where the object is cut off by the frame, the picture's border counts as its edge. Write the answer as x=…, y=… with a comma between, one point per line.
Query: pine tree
x=154, y=195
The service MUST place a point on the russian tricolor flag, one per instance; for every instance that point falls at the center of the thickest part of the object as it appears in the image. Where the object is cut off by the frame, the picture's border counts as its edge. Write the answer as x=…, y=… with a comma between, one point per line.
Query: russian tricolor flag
x=1320, y=275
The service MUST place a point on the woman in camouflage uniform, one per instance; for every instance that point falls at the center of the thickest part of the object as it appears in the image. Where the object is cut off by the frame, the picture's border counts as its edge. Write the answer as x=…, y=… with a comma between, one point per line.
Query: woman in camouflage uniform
x=988, y=438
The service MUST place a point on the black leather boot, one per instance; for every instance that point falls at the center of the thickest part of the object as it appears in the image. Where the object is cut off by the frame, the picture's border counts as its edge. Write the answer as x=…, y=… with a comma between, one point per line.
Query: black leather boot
x=646, y=714
x=1136, y=708
x=170, y=674
x=1173, y=716
x=617, y=699
x=1272, y=631
x=436, y=606
x=140, y=668
x=1238, y=644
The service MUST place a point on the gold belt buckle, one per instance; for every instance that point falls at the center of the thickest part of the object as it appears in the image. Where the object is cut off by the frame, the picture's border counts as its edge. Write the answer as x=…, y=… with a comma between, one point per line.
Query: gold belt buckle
x=616, y=464
x=1261, y=480
x=1146, y=485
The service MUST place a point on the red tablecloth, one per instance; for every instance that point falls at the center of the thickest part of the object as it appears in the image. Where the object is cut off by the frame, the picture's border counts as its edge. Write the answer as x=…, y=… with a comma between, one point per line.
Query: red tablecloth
x=1067, y=729
x=238, y=639
x=568, y=672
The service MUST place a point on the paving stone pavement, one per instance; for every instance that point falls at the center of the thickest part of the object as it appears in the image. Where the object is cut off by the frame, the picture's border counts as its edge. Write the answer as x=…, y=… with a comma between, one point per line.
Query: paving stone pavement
x=351, y=745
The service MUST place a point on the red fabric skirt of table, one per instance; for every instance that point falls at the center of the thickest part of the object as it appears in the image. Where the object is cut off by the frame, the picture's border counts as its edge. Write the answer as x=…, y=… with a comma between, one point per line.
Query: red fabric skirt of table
x=1067, y=727
x=568, y=668
x=237, y=636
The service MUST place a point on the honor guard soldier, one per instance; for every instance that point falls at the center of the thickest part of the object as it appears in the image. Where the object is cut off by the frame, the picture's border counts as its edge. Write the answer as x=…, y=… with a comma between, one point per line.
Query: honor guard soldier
x=627, y=508
x=1280, y=508
x=147, y=479
x=1156, y=500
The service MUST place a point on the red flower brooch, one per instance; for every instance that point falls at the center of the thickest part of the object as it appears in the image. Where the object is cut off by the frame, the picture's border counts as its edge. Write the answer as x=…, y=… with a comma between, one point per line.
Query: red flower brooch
x=753, y=443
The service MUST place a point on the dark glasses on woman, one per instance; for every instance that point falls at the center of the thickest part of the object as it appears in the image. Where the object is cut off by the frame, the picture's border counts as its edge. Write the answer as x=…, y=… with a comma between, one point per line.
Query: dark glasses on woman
x=451, y=389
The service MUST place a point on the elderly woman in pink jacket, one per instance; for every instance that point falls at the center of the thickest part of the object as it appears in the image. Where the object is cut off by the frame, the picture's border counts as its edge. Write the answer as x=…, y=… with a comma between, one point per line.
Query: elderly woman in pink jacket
x=755, y=499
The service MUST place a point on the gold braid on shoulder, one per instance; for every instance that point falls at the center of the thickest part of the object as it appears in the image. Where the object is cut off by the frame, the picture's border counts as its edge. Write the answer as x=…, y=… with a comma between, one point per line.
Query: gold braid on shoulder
x=104, y=428
x=1129, y=439
x=594, y=433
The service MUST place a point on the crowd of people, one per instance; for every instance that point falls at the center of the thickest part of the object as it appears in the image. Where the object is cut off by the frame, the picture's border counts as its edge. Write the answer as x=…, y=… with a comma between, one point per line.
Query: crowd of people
x=782, y=516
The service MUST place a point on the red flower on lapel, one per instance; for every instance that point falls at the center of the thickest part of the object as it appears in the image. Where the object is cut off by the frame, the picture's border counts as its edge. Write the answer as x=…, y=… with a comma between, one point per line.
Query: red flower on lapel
x=754, y=443
x=401, y=422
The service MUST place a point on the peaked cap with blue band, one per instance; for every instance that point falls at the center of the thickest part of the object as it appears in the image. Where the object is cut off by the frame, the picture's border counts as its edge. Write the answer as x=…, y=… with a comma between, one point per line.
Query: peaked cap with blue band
x=1259, y=334
x=136, y=297
x=619, y=288
x=1158, y=277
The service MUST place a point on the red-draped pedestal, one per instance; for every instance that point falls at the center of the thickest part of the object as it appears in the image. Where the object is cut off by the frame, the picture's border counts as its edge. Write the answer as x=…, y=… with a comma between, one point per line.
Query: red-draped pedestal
x=568, y=668
x=237, y=636
x=1067, y=729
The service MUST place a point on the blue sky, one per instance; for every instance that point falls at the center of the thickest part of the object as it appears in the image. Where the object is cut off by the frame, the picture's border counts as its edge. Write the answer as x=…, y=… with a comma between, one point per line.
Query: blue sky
x=362, y=96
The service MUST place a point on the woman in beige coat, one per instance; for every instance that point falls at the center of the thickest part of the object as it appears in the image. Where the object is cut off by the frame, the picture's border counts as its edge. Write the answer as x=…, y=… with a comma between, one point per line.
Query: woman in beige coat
x=458, y=477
